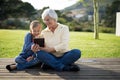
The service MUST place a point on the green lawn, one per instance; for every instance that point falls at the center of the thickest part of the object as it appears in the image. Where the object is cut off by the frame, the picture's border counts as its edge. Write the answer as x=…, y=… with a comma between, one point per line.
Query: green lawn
x=108, y=45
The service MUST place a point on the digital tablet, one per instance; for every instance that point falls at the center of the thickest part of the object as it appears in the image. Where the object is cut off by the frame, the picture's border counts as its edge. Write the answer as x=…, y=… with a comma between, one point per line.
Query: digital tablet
x=39, y=41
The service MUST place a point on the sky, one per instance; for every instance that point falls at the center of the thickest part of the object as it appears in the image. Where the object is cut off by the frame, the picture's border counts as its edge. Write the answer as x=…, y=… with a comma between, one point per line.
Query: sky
x=53, y=4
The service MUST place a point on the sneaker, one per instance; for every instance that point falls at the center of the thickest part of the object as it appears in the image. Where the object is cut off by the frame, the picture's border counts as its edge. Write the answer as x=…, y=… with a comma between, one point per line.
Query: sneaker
x=71, y=68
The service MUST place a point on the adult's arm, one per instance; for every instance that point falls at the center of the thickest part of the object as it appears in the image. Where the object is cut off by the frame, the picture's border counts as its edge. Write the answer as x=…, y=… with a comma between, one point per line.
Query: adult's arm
x=64, y=40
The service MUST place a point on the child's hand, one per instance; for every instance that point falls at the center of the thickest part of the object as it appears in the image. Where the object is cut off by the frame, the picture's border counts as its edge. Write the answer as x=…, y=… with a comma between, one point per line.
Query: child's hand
x=29, y=58
x=35, y=47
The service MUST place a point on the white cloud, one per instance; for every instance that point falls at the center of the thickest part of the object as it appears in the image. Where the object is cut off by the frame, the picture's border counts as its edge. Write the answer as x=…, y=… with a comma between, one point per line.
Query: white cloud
x=54, y=4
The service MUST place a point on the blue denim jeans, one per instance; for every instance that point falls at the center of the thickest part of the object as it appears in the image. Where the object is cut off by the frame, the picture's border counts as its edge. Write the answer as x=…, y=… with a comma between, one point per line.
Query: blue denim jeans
x=58, y=63
x=23, y=64
x=26, y=52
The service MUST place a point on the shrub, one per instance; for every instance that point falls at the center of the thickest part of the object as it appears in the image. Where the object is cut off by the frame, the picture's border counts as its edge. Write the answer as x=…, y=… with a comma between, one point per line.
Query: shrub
x=106, y=30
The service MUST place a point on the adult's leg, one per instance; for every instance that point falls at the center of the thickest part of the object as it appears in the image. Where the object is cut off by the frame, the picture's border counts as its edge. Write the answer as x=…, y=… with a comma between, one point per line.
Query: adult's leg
x=70, y=56
x=49, y=59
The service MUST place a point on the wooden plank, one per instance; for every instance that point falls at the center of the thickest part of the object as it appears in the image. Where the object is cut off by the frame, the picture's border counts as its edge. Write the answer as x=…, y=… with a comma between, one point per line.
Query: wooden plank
x=91, y=63
x=91, y=69
x=61, y=77
x=52, y=79
x=81, y=73
x=81, y=60
x=100, y=59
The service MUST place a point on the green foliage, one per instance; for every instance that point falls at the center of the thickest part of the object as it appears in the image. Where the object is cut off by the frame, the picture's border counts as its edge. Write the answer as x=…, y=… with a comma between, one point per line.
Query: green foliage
x=110, y=18
x=106, y=30
x=8, y=8
x=62, y=20
x=26, y=10
x=43, y=24
x=86, y=26
x=14, y=24
x=15, y=8
x=11, y=42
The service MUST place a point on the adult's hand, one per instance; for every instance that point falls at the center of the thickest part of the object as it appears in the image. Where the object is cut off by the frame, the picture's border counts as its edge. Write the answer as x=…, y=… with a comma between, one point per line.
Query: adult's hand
x=35, y=47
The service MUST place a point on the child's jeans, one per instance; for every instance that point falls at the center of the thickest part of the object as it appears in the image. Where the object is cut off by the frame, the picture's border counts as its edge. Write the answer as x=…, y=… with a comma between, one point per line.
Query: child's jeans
x=23, y=64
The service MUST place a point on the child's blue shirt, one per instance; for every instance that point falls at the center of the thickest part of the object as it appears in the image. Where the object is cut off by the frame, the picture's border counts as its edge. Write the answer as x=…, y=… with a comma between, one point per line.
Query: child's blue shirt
x=28, y=42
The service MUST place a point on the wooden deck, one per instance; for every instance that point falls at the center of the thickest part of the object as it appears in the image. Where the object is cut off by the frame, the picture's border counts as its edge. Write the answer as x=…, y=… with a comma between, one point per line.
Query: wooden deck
x=91, y=69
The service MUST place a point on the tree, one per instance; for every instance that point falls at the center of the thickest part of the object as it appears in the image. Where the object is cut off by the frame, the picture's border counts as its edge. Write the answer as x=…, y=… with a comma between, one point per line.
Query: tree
x=15, y=8
x=26, y=10
x=96, y=18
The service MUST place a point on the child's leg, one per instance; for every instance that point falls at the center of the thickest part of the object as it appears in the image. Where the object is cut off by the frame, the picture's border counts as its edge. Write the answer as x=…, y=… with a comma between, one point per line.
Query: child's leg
x=21, y=66
x=20, y=60
x=24, y=55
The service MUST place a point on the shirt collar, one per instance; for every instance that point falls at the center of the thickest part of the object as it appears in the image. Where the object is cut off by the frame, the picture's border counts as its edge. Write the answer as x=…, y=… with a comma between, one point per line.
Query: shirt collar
x=47, y=29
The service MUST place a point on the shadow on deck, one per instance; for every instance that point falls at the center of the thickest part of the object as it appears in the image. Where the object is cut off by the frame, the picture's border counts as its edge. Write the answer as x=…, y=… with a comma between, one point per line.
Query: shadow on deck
x=91, y=69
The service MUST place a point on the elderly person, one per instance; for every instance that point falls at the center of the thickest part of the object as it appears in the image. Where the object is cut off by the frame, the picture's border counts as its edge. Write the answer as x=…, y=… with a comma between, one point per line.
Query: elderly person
x=56, y=53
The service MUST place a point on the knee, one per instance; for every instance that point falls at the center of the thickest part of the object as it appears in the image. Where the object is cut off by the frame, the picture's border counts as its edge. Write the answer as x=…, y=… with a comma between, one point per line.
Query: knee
x=41, y=54
x=19, y=59
x=77, y=52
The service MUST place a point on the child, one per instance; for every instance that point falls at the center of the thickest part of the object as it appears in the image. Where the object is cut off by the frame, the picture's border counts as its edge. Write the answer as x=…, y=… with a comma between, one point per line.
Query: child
x=27, y=57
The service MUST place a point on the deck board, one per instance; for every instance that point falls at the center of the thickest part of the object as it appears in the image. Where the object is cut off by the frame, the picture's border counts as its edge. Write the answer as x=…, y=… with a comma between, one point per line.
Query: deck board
x=91, y=69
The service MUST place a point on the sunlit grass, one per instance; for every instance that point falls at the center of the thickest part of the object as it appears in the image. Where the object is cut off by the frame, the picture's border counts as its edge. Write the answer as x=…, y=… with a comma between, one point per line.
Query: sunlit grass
x=11, y=42
x=108, y=45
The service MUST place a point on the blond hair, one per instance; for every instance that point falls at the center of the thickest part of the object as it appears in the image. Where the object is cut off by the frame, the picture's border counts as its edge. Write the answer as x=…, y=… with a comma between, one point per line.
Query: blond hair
x=34, y=24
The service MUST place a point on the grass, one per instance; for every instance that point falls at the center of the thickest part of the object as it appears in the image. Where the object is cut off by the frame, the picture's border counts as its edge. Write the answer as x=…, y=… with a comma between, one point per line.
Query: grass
x=108, y=46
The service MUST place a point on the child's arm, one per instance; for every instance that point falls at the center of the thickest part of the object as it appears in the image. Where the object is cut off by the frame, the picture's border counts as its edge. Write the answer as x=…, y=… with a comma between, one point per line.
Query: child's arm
x=28, y=42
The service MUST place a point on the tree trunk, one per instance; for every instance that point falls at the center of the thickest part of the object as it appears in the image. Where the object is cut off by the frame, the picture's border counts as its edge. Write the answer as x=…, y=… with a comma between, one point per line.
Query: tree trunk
x=96, y=19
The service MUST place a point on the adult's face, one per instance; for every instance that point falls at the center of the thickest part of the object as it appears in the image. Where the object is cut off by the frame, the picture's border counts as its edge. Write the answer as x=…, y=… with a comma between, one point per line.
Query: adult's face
x=50, y=22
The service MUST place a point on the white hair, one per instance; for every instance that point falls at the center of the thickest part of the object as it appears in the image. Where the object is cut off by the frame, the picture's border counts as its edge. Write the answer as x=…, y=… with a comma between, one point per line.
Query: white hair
x=49, y=12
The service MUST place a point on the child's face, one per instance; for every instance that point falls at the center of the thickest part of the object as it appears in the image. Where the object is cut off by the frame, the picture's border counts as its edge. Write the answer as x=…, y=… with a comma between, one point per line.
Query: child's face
x=36, y=31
